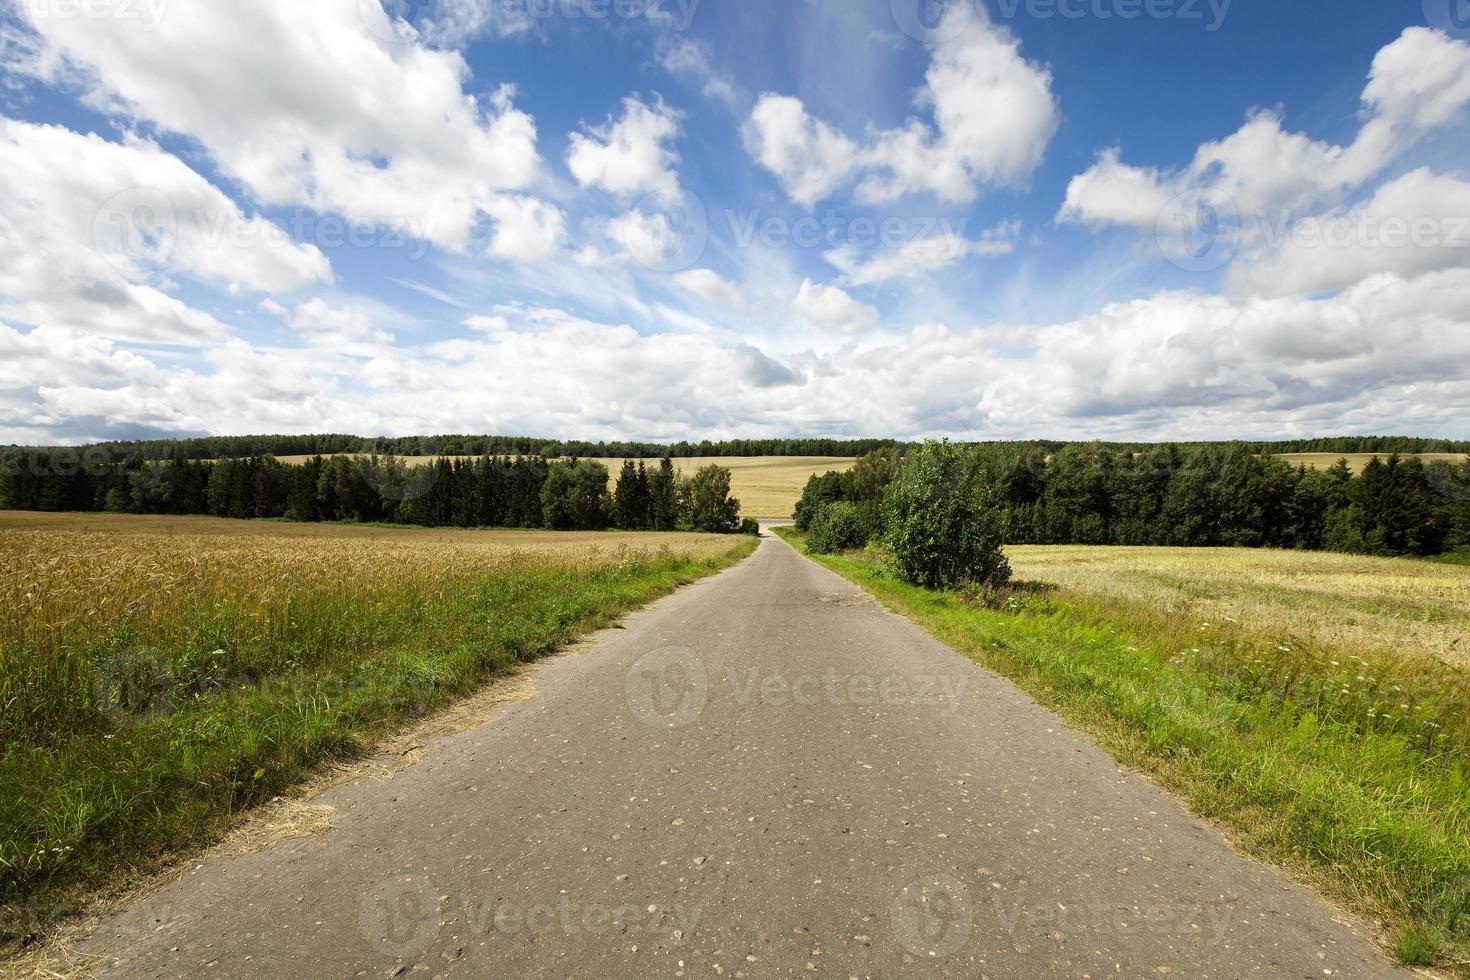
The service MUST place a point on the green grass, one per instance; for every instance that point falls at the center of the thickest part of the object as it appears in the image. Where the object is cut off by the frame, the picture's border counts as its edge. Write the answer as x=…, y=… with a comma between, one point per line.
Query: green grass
x=1461, y=557
x=1284, y=747
x=132, y=733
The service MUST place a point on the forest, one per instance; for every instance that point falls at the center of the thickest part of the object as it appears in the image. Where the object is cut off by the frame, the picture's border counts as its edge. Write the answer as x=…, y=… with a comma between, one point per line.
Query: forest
x=487, y=491
x=1178, y=495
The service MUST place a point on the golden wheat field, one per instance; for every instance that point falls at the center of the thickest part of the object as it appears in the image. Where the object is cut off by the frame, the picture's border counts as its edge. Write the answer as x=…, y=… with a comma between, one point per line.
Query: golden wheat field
x=767, y=487
x=445, y=541
x=65, y=574
x=159, y=675
x=1322, y=461
x=1351, y=603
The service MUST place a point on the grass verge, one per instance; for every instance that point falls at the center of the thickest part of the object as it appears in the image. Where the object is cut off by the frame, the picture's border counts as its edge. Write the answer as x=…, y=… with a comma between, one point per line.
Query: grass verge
x=152, y=687
x=1354, y=774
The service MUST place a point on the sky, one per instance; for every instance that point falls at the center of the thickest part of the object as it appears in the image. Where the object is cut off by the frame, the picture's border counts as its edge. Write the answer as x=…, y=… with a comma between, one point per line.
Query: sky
x=689, y=219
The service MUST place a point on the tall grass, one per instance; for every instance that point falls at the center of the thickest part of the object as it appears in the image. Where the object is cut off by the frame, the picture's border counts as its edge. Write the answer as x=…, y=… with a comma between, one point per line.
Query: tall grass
x=1354, y=771
x=152, y=686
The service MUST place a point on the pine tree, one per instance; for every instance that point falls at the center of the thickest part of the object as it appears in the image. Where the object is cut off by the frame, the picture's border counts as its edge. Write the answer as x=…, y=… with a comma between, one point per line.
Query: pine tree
x=663, y=497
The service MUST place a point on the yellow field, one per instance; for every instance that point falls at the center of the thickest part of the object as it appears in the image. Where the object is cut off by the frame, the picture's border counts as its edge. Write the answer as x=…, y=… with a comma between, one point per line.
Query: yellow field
x=218, y=535
x=766, y=486
x=1347, y=603
x=1322, y=461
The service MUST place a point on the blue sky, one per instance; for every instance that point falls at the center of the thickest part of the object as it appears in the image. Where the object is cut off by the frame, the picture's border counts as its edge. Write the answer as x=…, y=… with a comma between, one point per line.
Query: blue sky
x=1026, y=218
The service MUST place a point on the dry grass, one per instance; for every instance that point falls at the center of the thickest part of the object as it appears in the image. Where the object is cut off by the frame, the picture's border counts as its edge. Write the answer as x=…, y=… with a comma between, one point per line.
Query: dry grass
x=1322, y=461
x=1356, y=605
x=768, y=487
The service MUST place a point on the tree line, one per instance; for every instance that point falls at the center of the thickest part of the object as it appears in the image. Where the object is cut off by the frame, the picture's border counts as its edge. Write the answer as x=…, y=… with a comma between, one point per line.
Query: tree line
x=1175, y=495
x=485, y=491
x=238, y=447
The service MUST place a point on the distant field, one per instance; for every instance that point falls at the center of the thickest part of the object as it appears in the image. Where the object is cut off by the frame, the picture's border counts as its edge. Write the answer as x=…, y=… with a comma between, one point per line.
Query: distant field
x=767, y=486
x=1322, y=461
x=570, y=544
x=1348, y=603
x=158, y=674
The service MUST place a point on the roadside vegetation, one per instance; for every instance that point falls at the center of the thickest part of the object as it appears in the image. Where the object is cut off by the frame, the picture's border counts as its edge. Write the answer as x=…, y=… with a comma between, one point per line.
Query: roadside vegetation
x=1316, y=704
x=155, y=683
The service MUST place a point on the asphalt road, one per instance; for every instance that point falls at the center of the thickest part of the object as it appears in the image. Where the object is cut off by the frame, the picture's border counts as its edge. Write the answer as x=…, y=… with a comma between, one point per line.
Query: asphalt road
x=765, y=775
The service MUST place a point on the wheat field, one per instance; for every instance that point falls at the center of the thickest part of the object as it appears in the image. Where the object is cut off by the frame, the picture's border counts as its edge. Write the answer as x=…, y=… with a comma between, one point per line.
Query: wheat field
x=572, y=544
x=1322, y=461
x=158, y=675
x=1349, y=603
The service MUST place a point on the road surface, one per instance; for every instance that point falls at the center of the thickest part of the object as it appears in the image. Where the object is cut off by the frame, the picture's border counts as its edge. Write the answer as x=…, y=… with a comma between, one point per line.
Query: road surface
x=765, y=775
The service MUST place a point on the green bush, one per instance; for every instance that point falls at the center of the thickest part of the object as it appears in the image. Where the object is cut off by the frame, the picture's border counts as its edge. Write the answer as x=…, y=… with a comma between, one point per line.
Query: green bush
x=819, y=491
x=750, y=526
x=836, y=527
x=943, y=525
